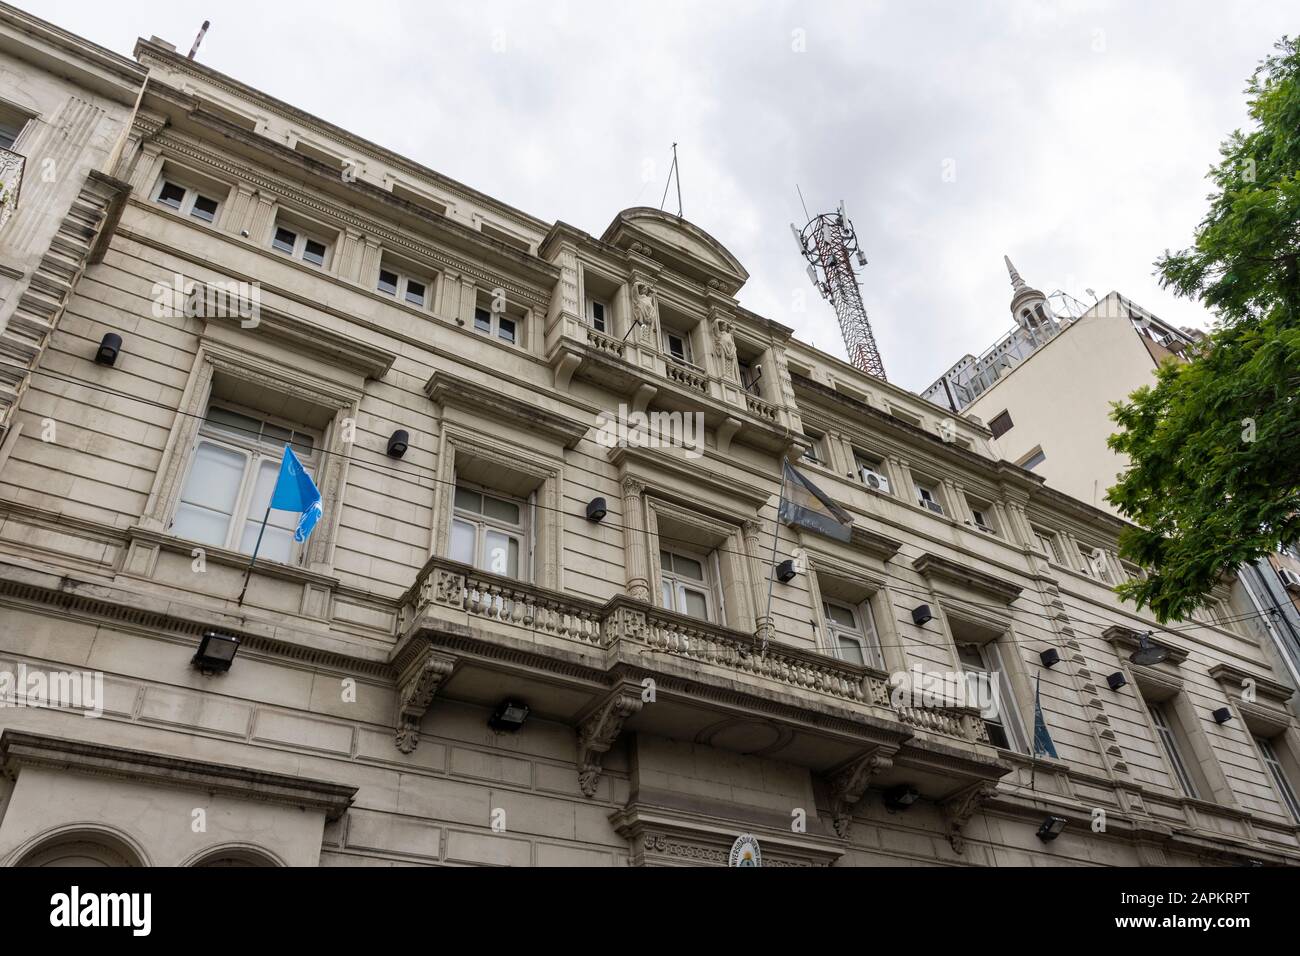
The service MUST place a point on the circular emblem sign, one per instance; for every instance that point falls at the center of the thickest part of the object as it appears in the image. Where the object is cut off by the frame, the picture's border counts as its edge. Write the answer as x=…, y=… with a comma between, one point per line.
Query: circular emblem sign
x=745, y=852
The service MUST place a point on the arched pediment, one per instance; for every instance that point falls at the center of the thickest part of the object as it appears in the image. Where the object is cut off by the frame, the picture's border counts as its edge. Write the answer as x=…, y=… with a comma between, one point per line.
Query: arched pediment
x=678, y=245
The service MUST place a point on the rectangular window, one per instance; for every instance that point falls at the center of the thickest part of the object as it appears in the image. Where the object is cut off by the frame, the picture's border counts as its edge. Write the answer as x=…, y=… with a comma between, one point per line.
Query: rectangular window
x=678, y=346
x=980, y=515
x=596, y=312
x=1276, y=771
x=852, y=633
x=687, y=584
x=293, y=242
x=232, y=475
x=500, y=325
x=1169, y=741
x=925, y=496
x=489, y=532
x=12, y=123
x=186, y=201
x=871, y=473
x=1046, y=542
x=812, y=454
x=751, y=373
x=989, y=684
x=1000, y=424
x=399, y=285
x=286, y=240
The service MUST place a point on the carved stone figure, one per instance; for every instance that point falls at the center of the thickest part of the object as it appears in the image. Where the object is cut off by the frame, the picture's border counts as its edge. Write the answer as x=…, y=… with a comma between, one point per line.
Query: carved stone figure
x=724, y=348
x=644, y=311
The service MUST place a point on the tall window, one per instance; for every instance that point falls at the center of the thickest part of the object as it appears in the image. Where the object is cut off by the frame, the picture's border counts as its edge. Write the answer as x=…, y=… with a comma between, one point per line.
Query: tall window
x=687, y=584
x=990, y=685
x=677, y=345
x=598, y=315
x=232, y=474
x=852, y=633
x=926, y=498
x=1046, y=541
x=1173, y=750
x=490, y=532
x=11, y=126
x=813, y=454
x=1274, y=765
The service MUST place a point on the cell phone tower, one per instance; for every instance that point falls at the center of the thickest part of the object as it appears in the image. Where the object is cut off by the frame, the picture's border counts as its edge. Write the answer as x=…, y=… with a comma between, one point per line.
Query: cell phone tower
x=830, y=245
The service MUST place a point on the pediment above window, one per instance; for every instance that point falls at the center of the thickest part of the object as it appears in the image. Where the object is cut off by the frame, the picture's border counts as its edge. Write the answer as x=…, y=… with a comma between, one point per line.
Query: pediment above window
x=933, y=567
x=679, y=246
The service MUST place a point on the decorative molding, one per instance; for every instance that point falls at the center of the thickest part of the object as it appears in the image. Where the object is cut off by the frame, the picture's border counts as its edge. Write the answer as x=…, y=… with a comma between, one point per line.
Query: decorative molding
x=18, y=750
x=960, y=807
x=850, y=782
x=1127, y=639
x=932, y=566
x=446, y=388
x=598, y=731
x=1232, y=676
x=416, y=687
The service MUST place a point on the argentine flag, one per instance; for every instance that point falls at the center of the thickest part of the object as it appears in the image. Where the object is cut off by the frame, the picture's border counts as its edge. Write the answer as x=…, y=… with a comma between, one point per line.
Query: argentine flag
x=295, y=491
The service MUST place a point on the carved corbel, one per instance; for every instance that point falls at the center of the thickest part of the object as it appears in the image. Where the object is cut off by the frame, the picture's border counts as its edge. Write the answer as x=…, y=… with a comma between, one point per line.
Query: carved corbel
x=598, y=731
x=850, y=782
x=960, y=807
x=416, y=689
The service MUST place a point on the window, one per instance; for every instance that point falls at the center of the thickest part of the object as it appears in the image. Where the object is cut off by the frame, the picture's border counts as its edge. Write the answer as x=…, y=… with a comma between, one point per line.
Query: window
x=751, y=373
x=925, y=496
x=1046, y=541
x=979, y=514
x=678, y=345
x=1000, y=424
x=596, y=315
x=232, y=475
x=1033, y=459
x=852, y=633
x=402, y=287
x=292, y=241
x=1169, y=741
x=812, y=454
x=1276, y=771
x=489, y=323
x=687, y=586
x=489, y=532
x=989, y=684
x=12, y=123
x=186, y=201
x=871, y=473
x=1094, y=564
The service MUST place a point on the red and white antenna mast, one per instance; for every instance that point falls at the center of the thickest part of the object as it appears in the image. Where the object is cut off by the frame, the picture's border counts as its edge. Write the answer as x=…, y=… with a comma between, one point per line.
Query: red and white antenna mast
x=830, y=245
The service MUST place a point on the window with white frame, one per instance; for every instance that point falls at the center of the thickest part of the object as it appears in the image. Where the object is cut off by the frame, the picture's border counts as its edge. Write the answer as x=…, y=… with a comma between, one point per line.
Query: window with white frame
x=1095, y=564
x=989, y=685
x=1046, y=542
x=186, y=200
x=678, y=345
x=490, y=532
x=502, y=325
x=598, y=314
x=1168, y=736
x=927, y=498
x=1275, y=769
x=851, y=632
x=403, y=287
x=232, y=474
x=12, y=123
x=687, y=583
x=982, y=516
x=813, y=452
x=298, y=243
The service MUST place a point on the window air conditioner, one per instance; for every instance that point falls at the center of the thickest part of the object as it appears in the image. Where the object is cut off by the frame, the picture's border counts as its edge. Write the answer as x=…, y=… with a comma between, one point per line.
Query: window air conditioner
x=1290, y=579
x=873, y=479
x=934, y=506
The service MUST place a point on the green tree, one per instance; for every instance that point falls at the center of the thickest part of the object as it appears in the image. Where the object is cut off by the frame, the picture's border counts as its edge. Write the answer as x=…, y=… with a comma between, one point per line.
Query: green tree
x=1215, y=442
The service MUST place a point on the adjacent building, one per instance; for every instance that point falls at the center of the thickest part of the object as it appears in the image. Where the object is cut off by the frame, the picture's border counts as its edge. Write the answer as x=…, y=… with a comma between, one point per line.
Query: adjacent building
x=549, y=616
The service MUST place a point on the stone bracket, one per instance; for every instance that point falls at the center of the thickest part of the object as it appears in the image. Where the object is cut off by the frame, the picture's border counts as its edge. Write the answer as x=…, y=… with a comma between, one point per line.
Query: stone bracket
x=850, y=782
x=600, y=728
x=960, y=807
x=416, y=688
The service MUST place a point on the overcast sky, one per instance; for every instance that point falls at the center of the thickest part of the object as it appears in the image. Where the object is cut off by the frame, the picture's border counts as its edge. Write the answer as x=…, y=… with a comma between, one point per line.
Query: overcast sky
x=1074, y=136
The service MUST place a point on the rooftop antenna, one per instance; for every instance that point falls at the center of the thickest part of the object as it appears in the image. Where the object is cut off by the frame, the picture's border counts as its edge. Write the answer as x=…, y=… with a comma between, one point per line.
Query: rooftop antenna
x=199, y=39
x=830, y=245
x=673, y=170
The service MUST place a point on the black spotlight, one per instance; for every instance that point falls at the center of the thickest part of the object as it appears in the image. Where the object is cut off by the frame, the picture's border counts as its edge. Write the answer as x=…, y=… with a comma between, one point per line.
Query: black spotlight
x=216, y=652
x=1050, y=657
x=109, y=346
x=901, y=797
x=1116, y=680
x=597, y=509
x=1051, y=828
x=1148, y=652
x=785, y=571
x=921, y=615
x=398, y=443
x=1222, y=715
x=509, y=716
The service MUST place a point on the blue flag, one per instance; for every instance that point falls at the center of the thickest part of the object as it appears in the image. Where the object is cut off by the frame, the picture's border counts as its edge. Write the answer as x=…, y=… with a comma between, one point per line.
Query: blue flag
x=295, y=491
x=1043, y=746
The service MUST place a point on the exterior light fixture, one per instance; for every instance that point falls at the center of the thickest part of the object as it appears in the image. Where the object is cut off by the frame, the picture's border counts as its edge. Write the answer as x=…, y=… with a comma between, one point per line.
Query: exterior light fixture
x=1116, y=680
x=597, y=509
x=216, y=652
x=509, y=716
x=1050, y=657
x=785, y=572
x=1148, y=652
x=1051, y=828
x=1222, y=715
x=901, y=797
x=921, y=615
x=109, y=346
x=398, y=443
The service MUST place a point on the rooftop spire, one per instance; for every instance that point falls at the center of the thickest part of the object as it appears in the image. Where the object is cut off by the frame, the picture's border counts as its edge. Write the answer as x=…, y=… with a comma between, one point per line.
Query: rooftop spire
x=1017, y=283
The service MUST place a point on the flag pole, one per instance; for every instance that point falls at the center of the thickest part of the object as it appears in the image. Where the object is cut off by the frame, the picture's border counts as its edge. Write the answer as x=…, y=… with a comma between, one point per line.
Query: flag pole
x=257, y=547
x=771, y=566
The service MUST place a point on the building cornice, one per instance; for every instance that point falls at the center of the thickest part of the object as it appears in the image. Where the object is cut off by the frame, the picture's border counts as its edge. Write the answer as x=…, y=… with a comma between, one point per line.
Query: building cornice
x=74, y=57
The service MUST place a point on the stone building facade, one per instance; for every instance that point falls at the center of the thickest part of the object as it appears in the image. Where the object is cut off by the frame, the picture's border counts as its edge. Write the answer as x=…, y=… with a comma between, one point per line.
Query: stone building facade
x=274, y=279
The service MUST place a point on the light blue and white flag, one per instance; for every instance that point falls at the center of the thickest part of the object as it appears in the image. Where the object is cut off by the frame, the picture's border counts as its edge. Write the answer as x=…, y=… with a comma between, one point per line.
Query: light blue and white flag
x=295, y=491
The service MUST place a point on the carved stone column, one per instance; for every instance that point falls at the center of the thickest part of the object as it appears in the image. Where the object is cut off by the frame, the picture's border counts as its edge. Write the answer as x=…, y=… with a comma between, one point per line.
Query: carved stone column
x=634, y=543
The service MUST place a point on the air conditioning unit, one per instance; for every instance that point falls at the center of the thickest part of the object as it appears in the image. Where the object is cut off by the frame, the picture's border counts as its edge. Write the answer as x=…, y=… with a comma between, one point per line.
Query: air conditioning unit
x=982, y=527
x=873, y=479
x=1290, y=579
x=934, y=506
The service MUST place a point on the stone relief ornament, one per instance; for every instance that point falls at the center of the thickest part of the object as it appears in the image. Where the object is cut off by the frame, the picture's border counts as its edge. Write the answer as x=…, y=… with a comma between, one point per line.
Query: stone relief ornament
x=644, y=311
x=724, y=348
x=745, y=851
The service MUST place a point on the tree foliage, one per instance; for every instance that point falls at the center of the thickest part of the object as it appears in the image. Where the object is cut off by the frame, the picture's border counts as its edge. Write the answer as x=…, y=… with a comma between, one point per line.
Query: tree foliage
x=1214, y=443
